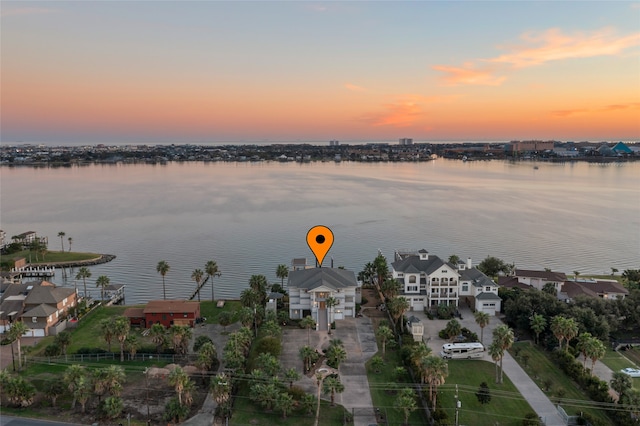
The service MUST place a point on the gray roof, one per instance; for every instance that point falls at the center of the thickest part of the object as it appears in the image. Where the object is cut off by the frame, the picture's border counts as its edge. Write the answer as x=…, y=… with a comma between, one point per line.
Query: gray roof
x=47, y=294
x=487, y=296
x=477, y=278
x=41, y=311
x=412, y=264
x=545, y=275
x=333, y=278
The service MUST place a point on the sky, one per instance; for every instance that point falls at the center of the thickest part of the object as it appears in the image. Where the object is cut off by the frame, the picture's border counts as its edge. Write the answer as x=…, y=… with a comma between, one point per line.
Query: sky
x=292, y=71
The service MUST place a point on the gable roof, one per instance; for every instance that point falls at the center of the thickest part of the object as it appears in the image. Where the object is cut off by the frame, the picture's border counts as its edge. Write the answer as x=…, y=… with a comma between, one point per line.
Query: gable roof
x=47, y=294
x=169, y=306
x=477, y=278
x=487, y=296
x=512, y=282
x=545, y=275
x=42, y=310
x=413, y=264
x=333, y=278
x=573, y=289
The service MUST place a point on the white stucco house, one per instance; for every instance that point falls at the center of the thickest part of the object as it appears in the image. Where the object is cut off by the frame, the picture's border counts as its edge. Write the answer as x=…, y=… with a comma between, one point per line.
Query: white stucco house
x=309, y=290
x=479, y=291
x=426, y=281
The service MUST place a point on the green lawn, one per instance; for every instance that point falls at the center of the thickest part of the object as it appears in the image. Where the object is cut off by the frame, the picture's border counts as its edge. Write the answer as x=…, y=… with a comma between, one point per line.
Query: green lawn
x=545, y=372
x=616, y=361
x=210, y=311
x=88, y=335
x=507, y=406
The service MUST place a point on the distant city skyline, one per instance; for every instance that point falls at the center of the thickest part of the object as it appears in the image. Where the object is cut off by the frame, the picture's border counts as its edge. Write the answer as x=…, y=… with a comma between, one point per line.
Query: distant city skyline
x=208, y=72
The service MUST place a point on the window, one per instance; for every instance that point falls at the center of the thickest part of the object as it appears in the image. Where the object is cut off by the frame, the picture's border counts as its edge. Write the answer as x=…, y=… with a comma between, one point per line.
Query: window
x=400, y=274
x=444, y=271
x=413, y=288
x=412, y=279
x=184, y=315
x=487, y=288
x=164, y=317
x=348, y=299
x=34, y=319
x=465, y=287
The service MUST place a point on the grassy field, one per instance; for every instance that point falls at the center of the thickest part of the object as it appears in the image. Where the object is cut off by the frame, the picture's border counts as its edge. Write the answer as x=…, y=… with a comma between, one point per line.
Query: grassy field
x=616, y=361
x=88, y=335
x=555, y=384
x=52, y=256
x=210, y=310
x=507, y=406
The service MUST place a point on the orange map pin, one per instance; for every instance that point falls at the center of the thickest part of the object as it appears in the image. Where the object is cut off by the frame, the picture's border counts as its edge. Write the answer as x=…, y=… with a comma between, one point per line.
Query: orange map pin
x=320, y=240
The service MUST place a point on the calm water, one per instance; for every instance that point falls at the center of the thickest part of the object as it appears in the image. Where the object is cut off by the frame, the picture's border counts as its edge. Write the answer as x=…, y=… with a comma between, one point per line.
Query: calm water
x=250, y=217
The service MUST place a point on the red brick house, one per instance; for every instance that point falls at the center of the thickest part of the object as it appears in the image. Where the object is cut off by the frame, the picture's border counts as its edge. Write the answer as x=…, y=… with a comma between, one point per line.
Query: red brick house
x=165, y=312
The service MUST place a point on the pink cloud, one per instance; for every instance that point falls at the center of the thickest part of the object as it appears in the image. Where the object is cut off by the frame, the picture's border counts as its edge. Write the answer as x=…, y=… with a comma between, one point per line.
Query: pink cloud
x=354, y=88
x=553, y=45
x=403, y=112
x=469, y=75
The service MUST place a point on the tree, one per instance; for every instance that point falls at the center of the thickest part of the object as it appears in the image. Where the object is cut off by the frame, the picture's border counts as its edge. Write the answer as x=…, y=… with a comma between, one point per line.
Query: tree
x=71, y=378
x=503, y=337
x=180, y=336
x=268, y=363
x=436, y=371
x=158, y=335
x=397, y=307
x=121, y=327
x=452, y=329
x=84, y=273
x=482, y=319
x=259, y=284
x=201, y=340
x=417, y=356
x=384, y=333
x=335, y=354
x=483, y=394
x=112, y=407
x=17, y=330
x=225, y=318
x=614, y=271
x=63, y=339
x=282, y=272
x=102, y=282
x=406, y=402
x=390, y=288
x=131, y=345
x=621, y=383
x=53, y=390
x=162, y=269
x=178, y=379
x=284, y=403
x=454, y=259
x=491, y=266
x=206, y=357
x=308, y=322
x=106, y=329
x=332, y=385
x=595, y=351
x=308, y=355
x=70, y=242
x=538, y=324
x=331, y=302
x=221, y=388
x=550, y=288
x=377, y=363
x=19, y=391
x=576, y=274
x=61, y=235
x=558, y=328
x=291, y=375
x=211, y=268
x=196, y=276
x=82, y=391
x=175, y=411
x=495, y=352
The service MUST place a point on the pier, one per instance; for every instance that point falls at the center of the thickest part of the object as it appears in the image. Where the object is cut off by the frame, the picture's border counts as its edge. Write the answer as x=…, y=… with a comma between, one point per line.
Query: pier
x=197, y=290
x=35, y=271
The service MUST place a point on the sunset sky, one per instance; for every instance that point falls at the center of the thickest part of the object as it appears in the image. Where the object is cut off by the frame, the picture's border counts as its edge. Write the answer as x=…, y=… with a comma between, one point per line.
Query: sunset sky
x=209, y=72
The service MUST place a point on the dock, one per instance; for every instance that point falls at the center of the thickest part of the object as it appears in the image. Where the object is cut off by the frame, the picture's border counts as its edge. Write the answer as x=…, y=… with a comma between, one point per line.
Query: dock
x=195, y=292
x=35, y=271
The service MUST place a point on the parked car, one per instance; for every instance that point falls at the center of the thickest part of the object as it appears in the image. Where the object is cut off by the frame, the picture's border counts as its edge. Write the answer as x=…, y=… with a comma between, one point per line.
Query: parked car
x=633, y=372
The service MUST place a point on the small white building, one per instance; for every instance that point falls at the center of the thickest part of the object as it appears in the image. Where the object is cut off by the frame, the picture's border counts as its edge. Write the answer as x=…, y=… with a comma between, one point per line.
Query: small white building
x=416, y=328
x=309, y=290
x=479, y=291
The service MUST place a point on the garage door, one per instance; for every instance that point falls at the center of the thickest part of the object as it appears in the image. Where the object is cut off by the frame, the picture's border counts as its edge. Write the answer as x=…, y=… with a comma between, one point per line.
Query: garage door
x=418, y=304
x=35, y=332
x=348, y=313
x=338, y=315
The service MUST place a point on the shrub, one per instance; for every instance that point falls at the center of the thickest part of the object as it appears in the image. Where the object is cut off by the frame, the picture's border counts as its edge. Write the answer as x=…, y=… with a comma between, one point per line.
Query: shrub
x=531, y=419
x=271, y=345
x=296, y=392
x=87, y=351
x=201, y=340
x=53, y=349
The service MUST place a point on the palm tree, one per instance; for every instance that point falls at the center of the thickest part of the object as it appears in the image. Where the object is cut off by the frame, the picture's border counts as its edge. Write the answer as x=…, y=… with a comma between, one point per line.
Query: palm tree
x=106, y=328
x=331, y=302
x=452, y=329
x=397, y=307
x=211, y=268
x=381, y=268
x=70, y=242
x=558, y=328
x=307, y=353
x=131, y=345
x=72, y=376
x=61, y=235
x=17, y=330
x=197, y=275
x=482, y=319
x=282, y=272
x=454, y=259
x=538, y=324
x=406, y=402
x=163, y=268
x=113, y=407
x=82, y=391
x=178, y=379
x=291, y=375
x=63, y=339
x=582, y=346
x=496, y=352
x=332, y=385
x=285, y=403
x=570, y=330
x=121, y=329
x=384, y=333
x=576, y=274
x=158, y=335
x=595, y=351
x=336, y=353
x=436, y=371
x=308, y=322
x=503, y=336
x=84, y=273
x=620, y=383
x=102, y=282
x=221, y=388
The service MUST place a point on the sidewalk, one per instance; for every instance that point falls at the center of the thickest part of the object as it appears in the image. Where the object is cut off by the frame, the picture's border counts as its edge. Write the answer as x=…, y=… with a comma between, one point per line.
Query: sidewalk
x=538, y=401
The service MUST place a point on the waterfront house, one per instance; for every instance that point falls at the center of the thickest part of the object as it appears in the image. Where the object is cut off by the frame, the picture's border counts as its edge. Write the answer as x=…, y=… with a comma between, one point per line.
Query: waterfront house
x=604, y=289
x=165, y=312
x=479, y=291
x=426, y=281
x=538, y=279
x=309, y=290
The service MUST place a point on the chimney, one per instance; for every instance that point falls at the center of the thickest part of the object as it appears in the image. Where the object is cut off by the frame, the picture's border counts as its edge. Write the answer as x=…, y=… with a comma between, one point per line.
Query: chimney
x=469, y=263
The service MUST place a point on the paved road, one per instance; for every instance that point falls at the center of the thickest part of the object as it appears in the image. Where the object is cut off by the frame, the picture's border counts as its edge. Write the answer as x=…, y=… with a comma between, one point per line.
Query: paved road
x=539, y=402
x=22, y=421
